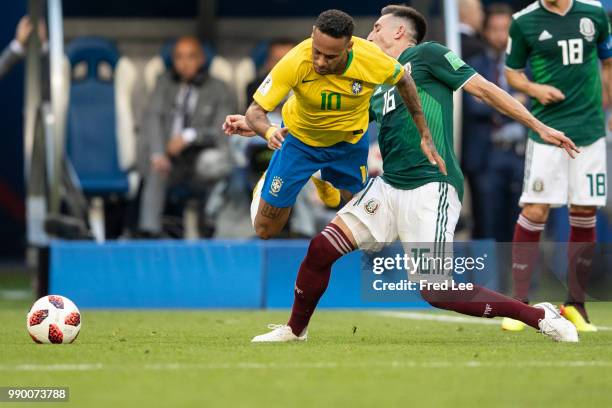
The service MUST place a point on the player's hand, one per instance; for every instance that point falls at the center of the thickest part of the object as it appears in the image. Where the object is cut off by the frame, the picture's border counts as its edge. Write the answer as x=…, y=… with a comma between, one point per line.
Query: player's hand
x=557, y=138
x=176, y=145
x=429, y=149
x=547, y=94
x=161, y=164
x=276, y=140
x=610, y=123
x=236, y=125
x=23, y=31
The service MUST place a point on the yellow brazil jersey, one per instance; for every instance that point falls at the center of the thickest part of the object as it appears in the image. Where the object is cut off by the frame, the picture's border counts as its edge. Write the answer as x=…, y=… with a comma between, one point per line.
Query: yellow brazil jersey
x=327, y=109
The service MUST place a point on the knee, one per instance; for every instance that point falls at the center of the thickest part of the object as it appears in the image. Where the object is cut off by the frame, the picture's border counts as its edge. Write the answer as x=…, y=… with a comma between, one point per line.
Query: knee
x=583, y=210
x=536, y=212
x=263, y=231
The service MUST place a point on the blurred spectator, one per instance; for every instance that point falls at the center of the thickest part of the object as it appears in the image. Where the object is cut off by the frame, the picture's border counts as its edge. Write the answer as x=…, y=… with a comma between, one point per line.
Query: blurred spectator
x=15, y=51
x=471, y=17
x=277, y=50
x=182, y=138
x=493, y=145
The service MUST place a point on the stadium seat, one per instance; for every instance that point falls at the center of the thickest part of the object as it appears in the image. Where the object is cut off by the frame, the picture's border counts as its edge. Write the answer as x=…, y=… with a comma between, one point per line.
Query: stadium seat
x=100, y=123
x=217, y=66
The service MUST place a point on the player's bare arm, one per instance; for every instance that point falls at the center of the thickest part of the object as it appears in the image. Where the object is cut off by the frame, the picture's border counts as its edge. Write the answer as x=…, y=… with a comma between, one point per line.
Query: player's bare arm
x=499, y=99
x=236, y=125
x=407, y=89
x=545, y=94
x=257, y=119
x=606, y=74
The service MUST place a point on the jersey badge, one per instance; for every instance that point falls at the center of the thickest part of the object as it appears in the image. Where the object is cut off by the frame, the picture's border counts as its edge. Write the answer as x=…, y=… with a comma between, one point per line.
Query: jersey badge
x=538, y=185
x=265, y=86
x=587, y=28
x=371, y=206
x=277, y=184
x=454, y=60
x=544, y=35
x=356, y=87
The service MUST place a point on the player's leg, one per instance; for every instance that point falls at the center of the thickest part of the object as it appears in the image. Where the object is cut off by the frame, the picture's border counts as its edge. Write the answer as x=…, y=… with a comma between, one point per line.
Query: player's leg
x=587, y=191
x=345, y=233
x=335, y=241
x=545, y=183
x=435, y=224
x=290, y=168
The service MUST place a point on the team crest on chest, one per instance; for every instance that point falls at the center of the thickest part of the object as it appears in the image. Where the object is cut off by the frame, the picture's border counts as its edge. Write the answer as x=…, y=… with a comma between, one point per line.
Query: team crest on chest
x=371, y=205
x=356, y=87
x=587, y=28
x=277, y=184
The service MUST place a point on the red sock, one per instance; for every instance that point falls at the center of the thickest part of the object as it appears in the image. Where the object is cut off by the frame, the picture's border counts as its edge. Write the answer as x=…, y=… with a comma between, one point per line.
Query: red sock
x=483, y=302
x=580, y=251
x=312, y=279
x=525, y=251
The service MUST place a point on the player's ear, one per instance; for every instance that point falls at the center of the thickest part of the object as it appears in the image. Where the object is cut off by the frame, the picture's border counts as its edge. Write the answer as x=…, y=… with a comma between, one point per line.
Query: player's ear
x=401, y=30
x=313, y=31
x=349, y=46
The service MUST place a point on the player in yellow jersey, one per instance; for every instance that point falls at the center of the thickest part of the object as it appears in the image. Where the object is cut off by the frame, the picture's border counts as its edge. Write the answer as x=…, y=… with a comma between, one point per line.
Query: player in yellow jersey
x=332, y=76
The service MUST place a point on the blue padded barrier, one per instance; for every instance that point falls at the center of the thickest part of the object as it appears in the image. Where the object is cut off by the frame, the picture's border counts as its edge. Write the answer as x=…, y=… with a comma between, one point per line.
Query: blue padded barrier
x=158, y=274
x=203, y=274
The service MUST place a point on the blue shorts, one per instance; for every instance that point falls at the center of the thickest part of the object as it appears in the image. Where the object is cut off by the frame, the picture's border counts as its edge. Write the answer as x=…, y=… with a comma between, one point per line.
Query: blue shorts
x=343, y=164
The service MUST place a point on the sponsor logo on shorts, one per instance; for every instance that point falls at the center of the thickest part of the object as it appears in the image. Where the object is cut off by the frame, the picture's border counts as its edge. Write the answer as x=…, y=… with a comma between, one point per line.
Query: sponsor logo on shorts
x=587, y=28
x=356, y=87
x=277, y=184
x=371, y=205
x=538, y=185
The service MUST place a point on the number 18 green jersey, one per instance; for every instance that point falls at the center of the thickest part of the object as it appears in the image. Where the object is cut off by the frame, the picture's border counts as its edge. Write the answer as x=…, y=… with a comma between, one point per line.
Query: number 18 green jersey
x=562, y=51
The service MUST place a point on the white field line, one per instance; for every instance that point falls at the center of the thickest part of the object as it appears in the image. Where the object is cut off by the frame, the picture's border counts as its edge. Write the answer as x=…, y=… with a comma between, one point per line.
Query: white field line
x=312, y=365
x=437, y=317
x=15, y=294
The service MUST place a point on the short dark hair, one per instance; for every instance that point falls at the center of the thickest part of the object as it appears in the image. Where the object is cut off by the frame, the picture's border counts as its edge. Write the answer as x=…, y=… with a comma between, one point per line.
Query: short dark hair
x=408, y=13
x=335, y=23
x=497, y=9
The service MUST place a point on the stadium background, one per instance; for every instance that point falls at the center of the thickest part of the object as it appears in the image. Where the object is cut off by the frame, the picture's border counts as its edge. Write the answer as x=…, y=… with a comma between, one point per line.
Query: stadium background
x=201, y=357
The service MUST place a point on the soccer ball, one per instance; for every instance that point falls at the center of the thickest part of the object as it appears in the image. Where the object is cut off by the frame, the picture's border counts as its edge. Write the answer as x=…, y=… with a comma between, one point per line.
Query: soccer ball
x=54, y=319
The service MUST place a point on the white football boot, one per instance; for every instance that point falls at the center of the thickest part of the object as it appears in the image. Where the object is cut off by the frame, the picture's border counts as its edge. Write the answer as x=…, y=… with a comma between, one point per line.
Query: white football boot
x=556, y=326
x=280, y=333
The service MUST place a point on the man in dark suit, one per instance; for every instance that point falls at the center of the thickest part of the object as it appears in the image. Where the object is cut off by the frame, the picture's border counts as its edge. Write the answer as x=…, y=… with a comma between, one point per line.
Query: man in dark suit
x=182, y=138
x=493, y=145
x=471, y=17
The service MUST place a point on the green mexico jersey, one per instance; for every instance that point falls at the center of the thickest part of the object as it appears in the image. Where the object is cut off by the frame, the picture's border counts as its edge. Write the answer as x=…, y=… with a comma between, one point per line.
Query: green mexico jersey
x=562, y=51
x=437, y=72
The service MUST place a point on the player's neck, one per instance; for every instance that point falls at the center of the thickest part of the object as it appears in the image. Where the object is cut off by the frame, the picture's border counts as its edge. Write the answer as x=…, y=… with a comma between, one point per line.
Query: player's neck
x=398, y=48
x=560, y=7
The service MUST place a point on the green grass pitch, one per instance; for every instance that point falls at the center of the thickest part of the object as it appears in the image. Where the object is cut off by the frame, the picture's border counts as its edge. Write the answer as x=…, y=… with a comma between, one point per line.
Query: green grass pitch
x=352, y=359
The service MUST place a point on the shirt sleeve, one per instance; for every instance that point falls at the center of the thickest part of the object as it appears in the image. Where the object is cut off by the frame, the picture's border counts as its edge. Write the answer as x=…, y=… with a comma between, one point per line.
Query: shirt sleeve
x=604, y=39
x=278, y=83
x=517, y=49
x=446, y=66
x=384, y=70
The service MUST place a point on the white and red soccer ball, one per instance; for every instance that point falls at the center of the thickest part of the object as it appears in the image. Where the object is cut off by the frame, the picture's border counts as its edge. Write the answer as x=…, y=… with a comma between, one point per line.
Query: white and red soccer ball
x=54, y=319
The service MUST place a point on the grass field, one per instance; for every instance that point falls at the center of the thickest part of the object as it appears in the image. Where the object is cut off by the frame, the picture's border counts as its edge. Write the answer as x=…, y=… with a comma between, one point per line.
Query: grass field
x=204, y=359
